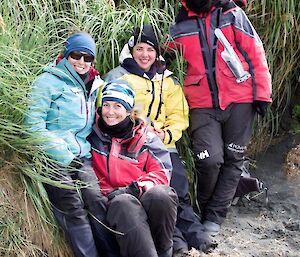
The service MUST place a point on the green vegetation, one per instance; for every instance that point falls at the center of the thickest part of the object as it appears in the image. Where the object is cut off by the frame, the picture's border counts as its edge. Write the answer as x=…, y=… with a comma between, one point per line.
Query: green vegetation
x=32, y=34
x=295, y=126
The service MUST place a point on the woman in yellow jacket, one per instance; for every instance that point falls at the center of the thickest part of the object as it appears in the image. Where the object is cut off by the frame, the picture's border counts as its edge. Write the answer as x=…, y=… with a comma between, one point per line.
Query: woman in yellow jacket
x=162, y=103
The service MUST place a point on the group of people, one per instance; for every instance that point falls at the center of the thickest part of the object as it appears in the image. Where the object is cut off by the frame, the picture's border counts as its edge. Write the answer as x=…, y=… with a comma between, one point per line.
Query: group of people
x=117, y=138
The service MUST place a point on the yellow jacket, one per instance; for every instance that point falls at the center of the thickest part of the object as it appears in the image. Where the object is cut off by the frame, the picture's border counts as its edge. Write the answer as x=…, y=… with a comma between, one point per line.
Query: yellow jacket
x=161, y=100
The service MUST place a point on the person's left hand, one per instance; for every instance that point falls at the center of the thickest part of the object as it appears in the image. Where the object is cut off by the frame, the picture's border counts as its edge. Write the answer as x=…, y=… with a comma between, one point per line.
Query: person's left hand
x=260, y=107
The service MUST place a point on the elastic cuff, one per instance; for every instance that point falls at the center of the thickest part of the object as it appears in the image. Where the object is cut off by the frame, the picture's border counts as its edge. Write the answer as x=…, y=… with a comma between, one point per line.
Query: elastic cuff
x=168, y=137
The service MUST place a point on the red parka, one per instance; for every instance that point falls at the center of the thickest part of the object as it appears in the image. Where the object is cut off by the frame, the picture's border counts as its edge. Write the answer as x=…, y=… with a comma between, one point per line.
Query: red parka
x=141, y=157
x=209, y=83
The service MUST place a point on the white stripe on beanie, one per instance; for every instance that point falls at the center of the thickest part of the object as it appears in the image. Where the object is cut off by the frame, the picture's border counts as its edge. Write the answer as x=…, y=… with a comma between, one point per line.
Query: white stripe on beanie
x=118, y=95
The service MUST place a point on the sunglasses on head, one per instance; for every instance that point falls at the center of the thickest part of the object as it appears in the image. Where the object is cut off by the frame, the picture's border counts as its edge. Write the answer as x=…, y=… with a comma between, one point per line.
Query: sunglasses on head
x=77, y=56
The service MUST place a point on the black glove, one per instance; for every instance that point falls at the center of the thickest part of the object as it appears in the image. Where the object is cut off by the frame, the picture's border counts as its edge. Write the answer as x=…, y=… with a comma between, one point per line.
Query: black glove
x=260, y=107
x=76, y=163
x=132, y=189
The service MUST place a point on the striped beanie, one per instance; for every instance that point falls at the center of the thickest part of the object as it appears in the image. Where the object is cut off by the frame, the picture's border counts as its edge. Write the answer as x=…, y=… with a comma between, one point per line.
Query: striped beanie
x=119, y=91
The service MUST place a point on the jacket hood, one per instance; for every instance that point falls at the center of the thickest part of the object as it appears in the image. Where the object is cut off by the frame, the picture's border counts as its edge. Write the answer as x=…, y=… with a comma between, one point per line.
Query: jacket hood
x=192, y=13
x=226, y=4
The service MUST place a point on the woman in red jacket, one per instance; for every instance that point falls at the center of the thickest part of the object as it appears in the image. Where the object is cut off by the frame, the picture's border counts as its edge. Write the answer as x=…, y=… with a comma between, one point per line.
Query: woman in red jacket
x=134, y=169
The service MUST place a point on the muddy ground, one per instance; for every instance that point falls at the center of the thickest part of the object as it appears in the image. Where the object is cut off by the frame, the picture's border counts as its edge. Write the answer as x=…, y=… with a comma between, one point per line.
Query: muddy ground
x=255, y=229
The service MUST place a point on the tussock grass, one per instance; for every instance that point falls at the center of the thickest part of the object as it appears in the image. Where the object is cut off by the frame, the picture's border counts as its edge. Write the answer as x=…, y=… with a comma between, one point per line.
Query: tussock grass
x=31, y=35
x=22, y=231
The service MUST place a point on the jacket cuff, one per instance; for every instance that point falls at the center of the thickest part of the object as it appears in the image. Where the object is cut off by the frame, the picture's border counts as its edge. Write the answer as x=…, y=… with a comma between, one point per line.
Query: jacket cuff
x=146, y=185
x=168, y=137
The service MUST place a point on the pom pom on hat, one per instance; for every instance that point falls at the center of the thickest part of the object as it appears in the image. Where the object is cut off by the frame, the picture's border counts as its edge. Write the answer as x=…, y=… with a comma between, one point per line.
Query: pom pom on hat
x=119, y=91
x=81, y=42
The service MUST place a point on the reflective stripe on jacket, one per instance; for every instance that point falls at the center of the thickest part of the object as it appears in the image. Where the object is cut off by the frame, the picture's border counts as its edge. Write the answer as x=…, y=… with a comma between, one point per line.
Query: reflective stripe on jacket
x=209, y=83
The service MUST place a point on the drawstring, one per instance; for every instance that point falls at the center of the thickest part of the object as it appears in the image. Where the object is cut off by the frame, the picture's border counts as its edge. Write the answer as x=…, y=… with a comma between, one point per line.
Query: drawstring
x=160, y=97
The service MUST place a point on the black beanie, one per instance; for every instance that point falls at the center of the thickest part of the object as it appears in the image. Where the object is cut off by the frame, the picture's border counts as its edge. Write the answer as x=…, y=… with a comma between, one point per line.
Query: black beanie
x=147, y=35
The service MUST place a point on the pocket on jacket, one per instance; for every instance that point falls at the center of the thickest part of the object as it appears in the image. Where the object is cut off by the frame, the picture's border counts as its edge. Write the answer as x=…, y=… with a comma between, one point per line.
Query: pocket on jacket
x=193, y=80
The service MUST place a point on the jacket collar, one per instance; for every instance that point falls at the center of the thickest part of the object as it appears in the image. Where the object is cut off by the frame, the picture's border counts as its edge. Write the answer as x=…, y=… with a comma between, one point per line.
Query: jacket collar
x=135, y=141
x=62, y=69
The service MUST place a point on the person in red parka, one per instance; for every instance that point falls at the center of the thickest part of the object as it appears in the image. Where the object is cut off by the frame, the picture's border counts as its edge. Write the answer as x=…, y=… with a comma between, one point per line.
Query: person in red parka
x=134, y=169
x=227, y=81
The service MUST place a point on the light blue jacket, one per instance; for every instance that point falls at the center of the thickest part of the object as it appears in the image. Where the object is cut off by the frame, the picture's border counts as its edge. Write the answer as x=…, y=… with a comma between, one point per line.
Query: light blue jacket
x=61, y=111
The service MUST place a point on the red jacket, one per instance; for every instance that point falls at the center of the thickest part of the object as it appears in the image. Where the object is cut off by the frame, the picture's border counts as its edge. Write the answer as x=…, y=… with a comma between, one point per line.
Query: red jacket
x=141, y=157
x=209, y=83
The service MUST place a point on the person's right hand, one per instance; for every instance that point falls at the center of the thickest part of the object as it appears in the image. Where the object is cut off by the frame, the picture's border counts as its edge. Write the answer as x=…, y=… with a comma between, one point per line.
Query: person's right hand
x=132, y=189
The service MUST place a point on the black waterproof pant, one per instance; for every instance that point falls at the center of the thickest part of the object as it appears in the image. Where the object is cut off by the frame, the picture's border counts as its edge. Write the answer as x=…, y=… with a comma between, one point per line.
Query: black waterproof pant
x=147, y=224
x=189, y=232
x=78, y=209
x=219, y=141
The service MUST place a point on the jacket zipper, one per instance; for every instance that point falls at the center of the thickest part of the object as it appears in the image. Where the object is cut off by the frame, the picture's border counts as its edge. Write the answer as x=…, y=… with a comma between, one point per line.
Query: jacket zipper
x=160, y=99
x=86, y=98
x=152, y=100
x=208, y=62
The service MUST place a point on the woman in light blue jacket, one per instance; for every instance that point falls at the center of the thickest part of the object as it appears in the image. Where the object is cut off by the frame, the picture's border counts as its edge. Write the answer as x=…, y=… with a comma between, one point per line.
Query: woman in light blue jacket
x=62, y=110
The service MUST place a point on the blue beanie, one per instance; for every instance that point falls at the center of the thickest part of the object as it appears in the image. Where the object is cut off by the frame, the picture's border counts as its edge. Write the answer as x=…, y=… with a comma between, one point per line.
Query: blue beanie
x=81, y=42
x=119, y=91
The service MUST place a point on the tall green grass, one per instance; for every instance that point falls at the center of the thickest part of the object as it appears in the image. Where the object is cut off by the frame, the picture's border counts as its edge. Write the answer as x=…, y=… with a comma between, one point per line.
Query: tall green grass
x=32, y=34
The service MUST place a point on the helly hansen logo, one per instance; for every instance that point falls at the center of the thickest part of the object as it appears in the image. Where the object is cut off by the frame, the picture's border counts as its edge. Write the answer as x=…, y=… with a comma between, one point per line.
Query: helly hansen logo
x=202, y=155
x=236, y=148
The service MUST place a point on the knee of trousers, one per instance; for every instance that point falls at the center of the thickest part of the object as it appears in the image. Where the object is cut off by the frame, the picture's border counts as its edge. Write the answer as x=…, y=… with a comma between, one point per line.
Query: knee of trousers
x=72, y=217
x=163, y=197
x=67, y=201
x=94, y=202
x=125, y=212
x=210, y=164
x=123, y=203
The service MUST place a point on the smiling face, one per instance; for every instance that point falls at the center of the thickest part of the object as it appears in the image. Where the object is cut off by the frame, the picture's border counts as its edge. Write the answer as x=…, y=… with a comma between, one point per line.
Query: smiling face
x=144, y=55
x=113, y=112
x=79, y=64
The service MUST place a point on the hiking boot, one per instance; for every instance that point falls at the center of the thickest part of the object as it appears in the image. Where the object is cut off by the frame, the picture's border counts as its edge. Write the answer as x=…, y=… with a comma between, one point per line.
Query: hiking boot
x=187, y=253
x=211, y=228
